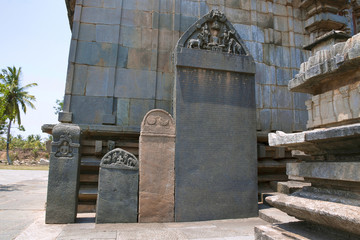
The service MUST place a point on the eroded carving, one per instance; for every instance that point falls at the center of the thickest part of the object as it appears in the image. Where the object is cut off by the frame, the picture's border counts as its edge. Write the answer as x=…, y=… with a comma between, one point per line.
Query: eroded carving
x=158, y=121
x=215, y=35
x=120, y=159
x=65, y=146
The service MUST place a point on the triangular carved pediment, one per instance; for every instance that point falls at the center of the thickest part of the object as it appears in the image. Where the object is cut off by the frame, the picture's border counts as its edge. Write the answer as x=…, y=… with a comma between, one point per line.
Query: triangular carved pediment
x=213, y=32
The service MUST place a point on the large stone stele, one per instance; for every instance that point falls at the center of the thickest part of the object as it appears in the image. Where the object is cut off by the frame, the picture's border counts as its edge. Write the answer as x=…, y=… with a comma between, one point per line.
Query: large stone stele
x=117, y=200
x=214, y=109
x=156, y=172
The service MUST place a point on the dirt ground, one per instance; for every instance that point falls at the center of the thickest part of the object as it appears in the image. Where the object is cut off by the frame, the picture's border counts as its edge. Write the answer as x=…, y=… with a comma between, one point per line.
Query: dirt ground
x=25, y=157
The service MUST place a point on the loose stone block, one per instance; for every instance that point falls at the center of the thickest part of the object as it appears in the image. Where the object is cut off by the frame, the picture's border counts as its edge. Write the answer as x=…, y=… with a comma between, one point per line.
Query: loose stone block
x=214, y=107
x=61, y=206
x=117, y=200
x=156, y=172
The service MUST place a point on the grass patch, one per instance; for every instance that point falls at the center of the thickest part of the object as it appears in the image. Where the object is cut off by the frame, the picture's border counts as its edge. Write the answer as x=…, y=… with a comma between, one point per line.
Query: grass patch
x=20, y=167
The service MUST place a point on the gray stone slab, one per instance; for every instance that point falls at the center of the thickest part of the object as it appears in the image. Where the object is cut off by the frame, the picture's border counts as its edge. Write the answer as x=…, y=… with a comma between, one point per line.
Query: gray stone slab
x=215, y=153
x=117, y=200
x=62, y=195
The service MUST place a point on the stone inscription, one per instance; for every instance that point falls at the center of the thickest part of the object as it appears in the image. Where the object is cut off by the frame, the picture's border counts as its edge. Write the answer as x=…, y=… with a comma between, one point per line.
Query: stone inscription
x=215, y=145
x=120, y=159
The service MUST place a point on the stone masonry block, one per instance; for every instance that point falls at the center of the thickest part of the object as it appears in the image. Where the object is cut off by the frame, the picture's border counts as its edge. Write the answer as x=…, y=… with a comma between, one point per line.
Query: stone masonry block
x=130, y=37
x=100, y=81
x=122, y=112
x=138, y=109
x=100, y=15
x=131, y=83
x=87, y=32
x=93, y=53
x=107, y=33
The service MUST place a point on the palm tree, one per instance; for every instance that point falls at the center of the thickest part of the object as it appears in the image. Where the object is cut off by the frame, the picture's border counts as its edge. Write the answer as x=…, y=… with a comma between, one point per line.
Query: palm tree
x=14, y=96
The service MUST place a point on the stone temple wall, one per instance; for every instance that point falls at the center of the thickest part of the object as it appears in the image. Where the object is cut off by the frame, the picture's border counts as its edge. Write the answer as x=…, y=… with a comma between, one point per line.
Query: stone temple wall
x=120, y=63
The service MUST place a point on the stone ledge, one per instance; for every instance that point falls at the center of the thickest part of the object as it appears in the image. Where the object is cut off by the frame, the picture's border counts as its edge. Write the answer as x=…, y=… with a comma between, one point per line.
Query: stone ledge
x=99, y=129
x=342, y=171
x=343, y=140
x=330, y=214
x=315, y=72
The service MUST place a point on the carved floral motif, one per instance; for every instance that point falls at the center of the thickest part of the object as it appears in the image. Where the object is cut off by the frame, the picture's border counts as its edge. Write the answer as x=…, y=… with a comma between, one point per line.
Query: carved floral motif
x=215, y=35
x=118, y=158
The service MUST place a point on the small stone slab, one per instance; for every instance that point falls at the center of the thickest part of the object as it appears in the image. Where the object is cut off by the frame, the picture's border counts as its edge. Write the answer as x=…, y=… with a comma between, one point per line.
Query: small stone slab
x=330, y=214
x=117, y=200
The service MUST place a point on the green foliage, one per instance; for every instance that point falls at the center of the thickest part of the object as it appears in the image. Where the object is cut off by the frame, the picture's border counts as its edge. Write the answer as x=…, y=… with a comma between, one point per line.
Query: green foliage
x=14, y=95
x=59, y=106
x=33, y=142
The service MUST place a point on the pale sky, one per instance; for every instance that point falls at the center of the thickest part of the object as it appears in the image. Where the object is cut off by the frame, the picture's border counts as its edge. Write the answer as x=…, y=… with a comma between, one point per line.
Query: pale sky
x=35, y=35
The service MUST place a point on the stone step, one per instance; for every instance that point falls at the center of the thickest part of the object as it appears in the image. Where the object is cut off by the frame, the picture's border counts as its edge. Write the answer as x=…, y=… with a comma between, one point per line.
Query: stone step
x=86, y=207
x=290, y=186
x=89, y=178
x=300, y=230
x=330, y=214
x=274, y=215
x=88, y=193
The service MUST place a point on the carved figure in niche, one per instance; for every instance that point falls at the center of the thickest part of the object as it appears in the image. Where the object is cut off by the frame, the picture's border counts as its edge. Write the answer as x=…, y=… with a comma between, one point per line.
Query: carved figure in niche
x=217, y=37
x=65, y=145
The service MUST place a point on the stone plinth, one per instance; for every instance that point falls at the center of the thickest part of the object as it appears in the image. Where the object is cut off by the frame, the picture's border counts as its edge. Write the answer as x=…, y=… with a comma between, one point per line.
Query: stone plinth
x=61, y=205
x=214, y=108
x=156, y=170
x=117, y=200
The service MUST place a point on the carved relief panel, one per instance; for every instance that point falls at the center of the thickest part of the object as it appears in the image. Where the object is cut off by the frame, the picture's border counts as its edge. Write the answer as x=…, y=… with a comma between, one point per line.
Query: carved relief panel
x=215, y=33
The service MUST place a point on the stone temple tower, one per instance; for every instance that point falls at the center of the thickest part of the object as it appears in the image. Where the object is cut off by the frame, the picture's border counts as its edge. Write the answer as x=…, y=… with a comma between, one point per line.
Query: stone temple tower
x=121, y=66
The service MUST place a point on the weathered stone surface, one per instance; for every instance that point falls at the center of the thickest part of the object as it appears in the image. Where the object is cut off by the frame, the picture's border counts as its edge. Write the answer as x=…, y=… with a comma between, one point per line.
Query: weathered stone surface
x=215, y=154
x=300, y=231
x=335, y=143
x=328, y=65
x=117, y=200
x=330, y=214
x=291, y=186
x=62, y=192
x=156, y=170
x=341, y=171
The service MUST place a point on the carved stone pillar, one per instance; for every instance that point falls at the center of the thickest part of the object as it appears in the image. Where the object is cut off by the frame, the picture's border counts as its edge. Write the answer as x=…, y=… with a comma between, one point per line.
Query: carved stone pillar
x=62, y=195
